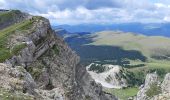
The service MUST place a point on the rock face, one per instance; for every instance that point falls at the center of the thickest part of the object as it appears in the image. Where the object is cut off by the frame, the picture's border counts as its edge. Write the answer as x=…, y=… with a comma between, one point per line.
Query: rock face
x=164, y=90
x=151, y=78
x=112, y=77
x=51, y=70
x=166, y=84
x=16, y=80
x=87, y=86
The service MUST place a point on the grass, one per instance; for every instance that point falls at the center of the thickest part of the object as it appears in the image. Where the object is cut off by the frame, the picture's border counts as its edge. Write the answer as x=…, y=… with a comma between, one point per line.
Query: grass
x=155, y=48
x=16, y=49
x=7, y=95
x=8, y=16
x=5, y=34
x=55, y=49
x=137, y=75
x=35, y=70
x=123, y=94
x=11, y=29
x=148, y=45
x=153, y=90
x=5, y=53
x=154, y=64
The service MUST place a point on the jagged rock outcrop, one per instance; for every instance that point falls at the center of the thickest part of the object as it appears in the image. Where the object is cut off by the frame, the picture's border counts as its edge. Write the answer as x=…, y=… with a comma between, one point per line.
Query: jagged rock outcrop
x=151, y=78
x=38, y=42
x=51, y=69
x=160, y=91
x=15, y=80
x=166, y=83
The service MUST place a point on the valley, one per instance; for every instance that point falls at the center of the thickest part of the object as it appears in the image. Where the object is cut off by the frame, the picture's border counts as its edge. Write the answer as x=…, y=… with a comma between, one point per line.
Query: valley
x=137, y=54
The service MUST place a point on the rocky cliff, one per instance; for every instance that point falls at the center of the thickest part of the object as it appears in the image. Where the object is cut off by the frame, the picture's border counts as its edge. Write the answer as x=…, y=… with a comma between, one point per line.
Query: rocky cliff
x=38, y=64
x=154, y=89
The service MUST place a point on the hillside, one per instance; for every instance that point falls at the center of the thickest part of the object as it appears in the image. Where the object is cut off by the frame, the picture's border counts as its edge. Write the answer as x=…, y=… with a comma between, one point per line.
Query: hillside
x=137, y=54
x=8, y=18
x=36, y=64
x=156, y=47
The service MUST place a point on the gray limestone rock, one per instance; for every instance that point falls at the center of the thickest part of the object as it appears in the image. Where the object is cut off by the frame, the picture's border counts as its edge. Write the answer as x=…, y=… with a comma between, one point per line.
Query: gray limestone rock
x=151, y=78
x=51, y=70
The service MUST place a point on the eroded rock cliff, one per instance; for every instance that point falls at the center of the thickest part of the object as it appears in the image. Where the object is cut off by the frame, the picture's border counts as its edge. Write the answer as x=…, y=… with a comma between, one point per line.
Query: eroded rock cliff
x=44, y=66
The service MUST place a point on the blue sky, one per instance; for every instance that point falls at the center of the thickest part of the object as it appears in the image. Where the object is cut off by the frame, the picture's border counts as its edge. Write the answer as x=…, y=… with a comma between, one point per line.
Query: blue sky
x=94, y=11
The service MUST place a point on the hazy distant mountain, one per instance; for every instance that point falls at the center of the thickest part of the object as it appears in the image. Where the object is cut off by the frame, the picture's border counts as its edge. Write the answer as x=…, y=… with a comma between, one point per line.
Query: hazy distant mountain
x=153, y=29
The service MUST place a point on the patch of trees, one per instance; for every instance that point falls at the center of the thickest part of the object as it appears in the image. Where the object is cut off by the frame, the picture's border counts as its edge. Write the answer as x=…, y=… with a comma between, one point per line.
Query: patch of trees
x=98, y=68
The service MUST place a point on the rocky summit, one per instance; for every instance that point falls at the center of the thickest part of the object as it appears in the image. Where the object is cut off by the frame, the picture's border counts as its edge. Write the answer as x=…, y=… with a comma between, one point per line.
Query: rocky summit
x=36, y=64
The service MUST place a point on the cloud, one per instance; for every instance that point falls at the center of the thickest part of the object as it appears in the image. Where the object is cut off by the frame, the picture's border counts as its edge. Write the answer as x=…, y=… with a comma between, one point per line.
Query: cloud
x=94, y=11
x=167, y=18
x=45, y=5
x=84, y=15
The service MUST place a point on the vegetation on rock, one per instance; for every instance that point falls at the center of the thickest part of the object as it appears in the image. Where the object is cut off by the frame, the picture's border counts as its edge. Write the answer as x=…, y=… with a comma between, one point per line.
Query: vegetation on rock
x=16, y=49
x=97, y=68
x=8, y=16
x=5, y=34
x=153, y=90
x=21, y=27
x=55, y=49
x=9, y=95
x=35, y=70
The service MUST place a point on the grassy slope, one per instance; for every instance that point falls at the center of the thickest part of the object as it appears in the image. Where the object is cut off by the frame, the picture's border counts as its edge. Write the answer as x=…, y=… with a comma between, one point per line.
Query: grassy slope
x=153, y=45
x=10, y=17
x=123, y=94
x=148, y=46
x=5, y=34
x=5, y=16
x=7, y=95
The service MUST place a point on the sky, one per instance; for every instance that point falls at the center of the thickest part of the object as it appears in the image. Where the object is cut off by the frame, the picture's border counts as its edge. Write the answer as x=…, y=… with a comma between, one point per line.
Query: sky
x=94, y=11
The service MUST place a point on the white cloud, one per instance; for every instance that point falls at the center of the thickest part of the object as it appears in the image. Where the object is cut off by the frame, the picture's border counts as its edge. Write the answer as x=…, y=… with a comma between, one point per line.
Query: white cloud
x=93, y=11
x=84, y=15
x=167, y=18
x=160, y=5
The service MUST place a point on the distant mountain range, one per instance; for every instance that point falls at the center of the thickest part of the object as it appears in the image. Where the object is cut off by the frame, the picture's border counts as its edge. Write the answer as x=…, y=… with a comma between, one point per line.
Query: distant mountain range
x=152, y=29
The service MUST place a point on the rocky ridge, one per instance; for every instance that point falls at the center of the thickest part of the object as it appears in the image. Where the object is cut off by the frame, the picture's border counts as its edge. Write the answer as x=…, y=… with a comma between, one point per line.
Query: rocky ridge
x=153, y=89
x=46, y=68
